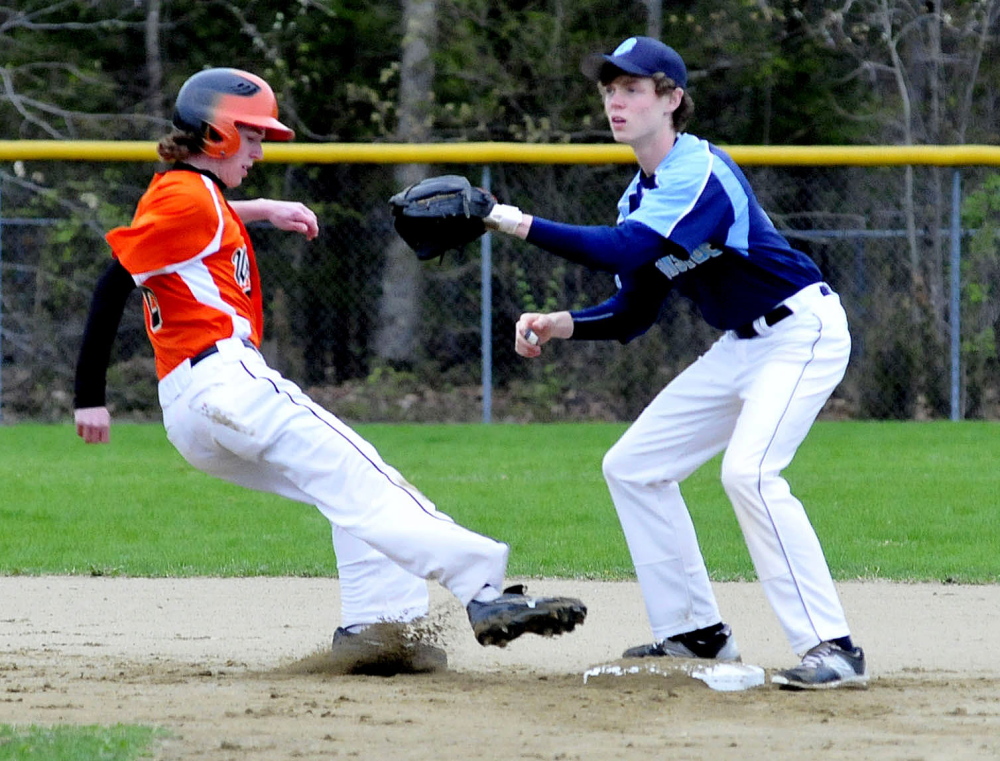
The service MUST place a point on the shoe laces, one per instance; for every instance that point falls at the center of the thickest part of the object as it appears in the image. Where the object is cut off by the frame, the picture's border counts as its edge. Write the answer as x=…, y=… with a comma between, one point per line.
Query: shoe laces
x=815, y=657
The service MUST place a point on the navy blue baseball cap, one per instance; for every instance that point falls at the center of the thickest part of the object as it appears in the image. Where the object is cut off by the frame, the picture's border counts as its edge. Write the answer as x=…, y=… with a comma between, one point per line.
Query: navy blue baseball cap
x=640, y=57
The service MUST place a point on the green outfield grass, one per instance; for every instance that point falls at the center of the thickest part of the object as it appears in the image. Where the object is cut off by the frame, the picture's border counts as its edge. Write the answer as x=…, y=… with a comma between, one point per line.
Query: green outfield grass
x=904, y=501
x=71, y=743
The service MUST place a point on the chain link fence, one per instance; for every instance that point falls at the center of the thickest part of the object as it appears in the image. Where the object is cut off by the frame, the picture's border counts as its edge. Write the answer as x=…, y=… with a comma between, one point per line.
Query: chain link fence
x=375, y=336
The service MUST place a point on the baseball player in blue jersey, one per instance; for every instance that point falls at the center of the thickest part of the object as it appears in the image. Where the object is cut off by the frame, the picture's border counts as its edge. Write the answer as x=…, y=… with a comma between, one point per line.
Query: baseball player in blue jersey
x=690, y=221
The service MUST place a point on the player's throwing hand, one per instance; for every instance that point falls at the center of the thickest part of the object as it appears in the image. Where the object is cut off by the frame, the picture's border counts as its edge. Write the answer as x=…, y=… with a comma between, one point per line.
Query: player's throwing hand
x=534, y=329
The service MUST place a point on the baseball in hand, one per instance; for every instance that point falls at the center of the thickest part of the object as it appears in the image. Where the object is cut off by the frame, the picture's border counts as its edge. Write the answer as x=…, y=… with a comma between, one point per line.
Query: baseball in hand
x=530, y=337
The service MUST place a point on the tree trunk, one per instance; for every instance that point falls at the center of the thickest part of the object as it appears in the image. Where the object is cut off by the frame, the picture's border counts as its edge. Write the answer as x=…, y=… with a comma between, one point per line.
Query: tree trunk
x=154, y=65
x=654, y=18
x=399, y=313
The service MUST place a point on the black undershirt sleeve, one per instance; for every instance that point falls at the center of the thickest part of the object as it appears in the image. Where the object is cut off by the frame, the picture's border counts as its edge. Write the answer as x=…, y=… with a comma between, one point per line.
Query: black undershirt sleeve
x=106, y=309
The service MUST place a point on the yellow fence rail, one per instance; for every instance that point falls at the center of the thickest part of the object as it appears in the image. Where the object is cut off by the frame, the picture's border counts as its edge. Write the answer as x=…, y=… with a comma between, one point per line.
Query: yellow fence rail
x=516, y=153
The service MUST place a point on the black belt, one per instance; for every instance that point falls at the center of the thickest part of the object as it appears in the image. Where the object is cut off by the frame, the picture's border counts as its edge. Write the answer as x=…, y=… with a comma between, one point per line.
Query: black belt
x=773, y=317
x=214, y=349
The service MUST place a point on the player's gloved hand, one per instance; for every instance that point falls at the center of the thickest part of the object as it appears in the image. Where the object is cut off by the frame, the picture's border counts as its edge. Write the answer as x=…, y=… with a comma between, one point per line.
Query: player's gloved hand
x=439, y=214
x=504, y=218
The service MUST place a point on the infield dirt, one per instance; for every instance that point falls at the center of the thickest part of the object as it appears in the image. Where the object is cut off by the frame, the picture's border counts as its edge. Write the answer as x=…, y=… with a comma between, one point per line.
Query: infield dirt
x=231, y=670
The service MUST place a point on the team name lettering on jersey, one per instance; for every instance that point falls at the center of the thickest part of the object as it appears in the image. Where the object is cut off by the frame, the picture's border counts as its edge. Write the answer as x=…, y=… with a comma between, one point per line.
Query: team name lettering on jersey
x=241, y=269
x=671, y=266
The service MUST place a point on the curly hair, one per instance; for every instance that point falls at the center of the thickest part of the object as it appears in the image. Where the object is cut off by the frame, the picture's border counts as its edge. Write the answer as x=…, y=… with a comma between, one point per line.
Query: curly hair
x=179, y=145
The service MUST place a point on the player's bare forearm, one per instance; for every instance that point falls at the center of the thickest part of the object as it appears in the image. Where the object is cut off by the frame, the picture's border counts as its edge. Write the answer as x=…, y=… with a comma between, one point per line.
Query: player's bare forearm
x=534, y=329
x=285, y=215
x=524, y=227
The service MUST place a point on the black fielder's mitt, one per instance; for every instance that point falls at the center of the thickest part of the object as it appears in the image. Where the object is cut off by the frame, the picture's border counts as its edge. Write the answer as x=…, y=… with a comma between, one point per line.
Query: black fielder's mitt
x=439, y=214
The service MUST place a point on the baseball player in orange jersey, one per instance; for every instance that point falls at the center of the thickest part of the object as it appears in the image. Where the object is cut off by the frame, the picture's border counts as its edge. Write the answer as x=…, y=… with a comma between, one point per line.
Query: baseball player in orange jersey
x=231, y=415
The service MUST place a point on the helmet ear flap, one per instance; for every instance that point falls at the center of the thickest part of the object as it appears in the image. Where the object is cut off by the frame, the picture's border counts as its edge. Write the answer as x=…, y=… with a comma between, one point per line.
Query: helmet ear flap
x=218, y=143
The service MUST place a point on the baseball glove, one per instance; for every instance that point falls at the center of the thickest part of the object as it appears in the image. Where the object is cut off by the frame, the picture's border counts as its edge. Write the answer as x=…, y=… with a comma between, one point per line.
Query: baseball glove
x=439, y=214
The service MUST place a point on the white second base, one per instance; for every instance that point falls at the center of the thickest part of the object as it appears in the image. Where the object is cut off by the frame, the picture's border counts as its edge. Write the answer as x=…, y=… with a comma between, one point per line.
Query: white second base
x=724, y=677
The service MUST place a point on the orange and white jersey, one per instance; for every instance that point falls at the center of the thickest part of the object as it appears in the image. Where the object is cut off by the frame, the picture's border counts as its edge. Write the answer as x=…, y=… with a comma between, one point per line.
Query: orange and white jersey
x=190, y=255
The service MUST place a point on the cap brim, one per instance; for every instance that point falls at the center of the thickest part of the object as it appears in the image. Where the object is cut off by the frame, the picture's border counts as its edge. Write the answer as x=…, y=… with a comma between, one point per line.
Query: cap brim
x=594, y=65
x=591, y=65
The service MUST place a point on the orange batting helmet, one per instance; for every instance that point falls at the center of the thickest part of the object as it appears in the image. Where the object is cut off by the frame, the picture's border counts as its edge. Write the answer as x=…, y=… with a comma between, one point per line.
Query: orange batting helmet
x=212, y=102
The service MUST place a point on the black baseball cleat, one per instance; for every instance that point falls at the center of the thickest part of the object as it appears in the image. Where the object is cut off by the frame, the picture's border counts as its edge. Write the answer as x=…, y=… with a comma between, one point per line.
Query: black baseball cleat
x=514, y=613
x=713, y=642
x=385, y=649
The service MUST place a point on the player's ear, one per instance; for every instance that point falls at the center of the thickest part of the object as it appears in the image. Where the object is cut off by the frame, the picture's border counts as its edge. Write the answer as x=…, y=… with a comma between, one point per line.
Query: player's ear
x=672, y=100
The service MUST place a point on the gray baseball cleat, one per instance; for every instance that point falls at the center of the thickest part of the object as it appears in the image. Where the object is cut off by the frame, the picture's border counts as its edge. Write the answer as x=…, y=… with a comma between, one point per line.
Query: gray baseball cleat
x=385, y=649
x=714, y=643
x=514, y=613
x=826, y=667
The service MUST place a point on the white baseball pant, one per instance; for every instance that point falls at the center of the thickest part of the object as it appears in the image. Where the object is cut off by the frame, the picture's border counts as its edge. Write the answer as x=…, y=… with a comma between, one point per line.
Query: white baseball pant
x=756, y=399
x=234, y=417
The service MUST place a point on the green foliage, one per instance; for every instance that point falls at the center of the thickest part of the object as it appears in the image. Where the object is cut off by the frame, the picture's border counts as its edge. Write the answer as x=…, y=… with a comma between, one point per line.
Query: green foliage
x=777, y=72
x=758, y=74
x=549, y=301
x=981, y=294
x=58, y=60
x=511, y=71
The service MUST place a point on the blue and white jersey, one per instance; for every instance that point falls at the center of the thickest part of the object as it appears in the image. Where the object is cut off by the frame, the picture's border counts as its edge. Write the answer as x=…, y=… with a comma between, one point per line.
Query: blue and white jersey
x=694, y=225
x=737, y=265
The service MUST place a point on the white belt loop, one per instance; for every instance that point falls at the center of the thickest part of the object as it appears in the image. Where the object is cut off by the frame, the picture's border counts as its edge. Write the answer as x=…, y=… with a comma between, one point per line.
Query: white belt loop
x=172, y=384
x=230, y=347
x=178, y=379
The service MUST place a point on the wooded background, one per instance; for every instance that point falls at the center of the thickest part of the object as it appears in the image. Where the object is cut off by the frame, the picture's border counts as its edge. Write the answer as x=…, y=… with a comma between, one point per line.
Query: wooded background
x=377, y=335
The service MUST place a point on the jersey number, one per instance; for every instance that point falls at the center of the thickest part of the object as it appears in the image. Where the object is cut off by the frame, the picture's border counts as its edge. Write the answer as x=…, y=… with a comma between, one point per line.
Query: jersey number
x=241, y=269
x=152, y=310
